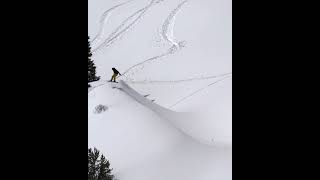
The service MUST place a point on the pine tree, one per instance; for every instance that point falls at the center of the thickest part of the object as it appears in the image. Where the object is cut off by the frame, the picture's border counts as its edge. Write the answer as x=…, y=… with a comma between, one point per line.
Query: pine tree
x=93, y=164
x=91, y=67
x=104, y=171
x=98, y=169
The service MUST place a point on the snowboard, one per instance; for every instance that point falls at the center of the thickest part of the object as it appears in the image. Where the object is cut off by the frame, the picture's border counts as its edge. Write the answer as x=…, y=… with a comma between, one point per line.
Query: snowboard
x=113, y=82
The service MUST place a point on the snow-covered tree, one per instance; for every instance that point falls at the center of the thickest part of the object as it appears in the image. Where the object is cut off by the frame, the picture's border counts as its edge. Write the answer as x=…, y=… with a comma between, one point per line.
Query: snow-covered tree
x=91, y=67
x=98, y=167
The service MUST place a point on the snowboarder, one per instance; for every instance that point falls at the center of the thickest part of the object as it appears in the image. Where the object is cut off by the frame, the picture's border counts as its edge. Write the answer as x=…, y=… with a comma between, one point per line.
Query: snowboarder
x=115, y=74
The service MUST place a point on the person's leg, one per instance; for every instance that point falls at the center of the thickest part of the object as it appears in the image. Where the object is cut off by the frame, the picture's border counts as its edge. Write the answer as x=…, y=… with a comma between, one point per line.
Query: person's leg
x=112, y=77
x=115, y=76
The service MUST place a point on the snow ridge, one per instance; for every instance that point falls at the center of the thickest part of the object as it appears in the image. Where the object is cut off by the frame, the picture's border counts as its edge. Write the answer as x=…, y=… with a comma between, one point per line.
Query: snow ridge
x=180, y=120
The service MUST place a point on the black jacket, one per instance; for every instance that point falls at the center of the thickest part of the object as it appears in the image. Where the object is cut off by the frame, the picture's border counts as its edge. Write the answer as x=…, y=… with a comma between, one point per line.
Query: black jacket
x=115, y=71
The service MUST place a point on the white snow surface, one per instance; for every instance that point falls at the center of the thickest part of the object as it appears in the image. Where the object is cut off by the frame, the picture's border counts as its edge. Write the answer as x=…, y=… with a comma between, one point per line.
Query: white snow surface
x=186, y=132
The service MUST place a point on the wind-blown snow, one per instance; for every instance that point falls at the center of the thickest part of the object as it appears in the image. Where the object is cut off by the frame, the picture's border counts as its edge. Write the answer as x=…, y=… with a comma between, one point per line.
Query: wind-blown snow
x=191, y=124
x=171, y=117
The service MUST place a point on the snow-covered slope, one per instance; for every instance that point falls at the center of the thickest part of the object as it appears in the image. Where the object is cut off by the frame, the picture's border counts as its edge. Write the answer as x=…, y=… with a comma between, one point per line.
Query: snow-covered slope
x=195, y=125
x=140, y=144
x=179, y=54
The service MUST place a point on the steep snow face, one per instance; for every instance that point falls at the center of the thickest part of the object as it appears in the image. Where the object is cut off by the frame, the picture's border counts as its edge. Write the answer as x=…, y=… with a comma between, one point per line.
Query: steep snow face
x=179, y=54
x=127, y=133
x=197, y=126
x=141, y=145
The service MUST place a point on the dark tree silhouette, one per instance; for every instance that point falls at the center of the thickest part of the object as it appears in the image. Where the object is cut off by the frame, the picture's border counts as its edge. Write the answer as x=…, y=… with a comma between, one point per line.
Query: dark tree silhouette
x=91, y=67
x=98, y=167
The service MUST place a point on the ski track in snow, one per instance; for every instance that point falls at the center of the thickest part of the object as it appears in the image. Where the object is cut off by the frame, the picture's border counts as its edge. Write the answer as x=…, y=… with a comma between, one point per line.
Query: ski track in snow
x=197, y=91
x=143, y=62
x=167, y=28
x=177, y=81
x=120, y=26
x=167, y=34
x=114, y=36
x=103, y=82
x=103, y=19
x=123, y=24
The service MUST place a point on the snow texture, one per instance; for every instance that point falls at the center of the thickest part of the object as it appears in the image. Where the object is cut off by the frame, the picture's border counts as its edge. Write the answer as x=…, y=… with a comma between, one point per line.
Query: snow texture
x=188, y=123
x=170, y=115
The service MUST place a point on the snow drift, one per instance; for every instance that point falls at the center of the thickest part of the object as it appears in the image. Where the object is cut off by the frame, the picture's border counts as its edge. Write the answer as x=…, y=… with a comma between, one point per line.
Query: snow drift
x=191, y=124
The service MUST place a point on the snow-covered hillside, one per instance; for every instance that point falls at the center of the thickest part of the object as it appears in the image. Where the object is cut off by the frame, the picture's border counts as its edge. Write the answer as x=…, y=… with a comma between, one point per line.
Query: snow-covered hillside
x=179, y=54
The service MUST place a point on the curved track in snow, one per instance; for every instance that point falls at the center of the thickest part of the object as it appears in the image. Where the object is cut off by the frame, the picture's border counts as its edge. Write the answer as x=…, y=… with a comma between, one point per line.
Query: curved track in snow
x=120, y=26
x=123, y=24
x=145, y=61
x=167, y=34
x=167, y=27
x=104, y=18
x=113, y=36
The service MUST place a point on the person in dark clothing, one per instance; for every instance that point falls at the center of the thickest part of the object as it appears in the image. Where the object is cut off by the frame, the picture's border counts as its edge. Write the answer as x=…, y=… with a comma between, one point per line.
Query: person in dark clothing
x=115, y=74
